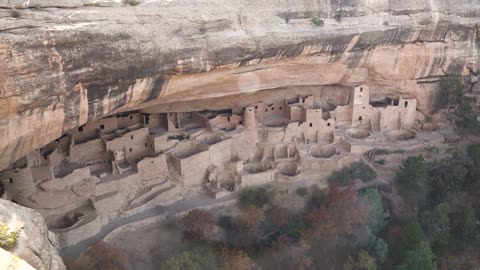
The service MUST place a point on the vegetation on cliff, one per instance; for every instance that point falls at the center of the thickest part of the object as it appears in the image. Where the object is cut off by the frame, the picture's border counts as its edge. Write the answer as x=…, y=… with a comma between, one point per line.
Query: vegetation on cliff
x=8, y=238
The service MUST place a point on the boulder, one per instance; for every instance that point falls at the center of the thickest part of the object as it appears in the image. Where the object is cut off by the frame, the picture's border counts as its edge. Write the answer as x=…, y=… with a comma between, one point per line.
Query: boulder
x=33, y=246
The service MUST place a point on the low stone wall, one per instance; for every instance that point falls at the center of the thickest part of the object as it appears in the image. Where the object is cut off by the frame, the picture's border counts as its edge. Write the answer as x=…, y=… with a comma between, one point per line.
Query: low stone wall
x=255, y=179
x=78, y=234
x=319, y=163
x=70, y=180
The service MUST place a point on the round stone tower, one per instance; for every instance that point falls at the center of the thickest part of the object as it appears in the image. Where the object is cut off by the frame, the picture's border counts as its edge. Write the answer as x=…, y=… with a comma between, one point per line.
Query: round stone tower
x=249, y=118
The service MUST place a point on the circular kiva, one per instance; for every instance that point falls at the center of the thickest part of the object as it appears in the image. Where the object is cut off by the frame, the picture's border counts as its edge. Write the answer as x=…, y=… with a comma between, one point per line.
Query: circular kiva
x=357, y=133
x=400, y=135
x=326, y=151
x=287, y=168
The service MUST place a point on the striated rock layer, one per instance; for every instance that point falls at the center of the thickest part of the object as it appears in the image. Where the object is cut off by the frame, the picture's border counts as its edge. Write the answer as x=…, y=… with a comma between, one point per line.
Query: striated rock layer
x=61, y=67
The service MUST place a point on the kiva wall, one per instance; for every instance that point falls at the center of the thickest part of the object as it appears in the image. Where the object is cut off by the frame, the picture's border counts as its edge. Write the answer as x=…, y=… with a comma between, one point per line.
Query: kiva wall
x=255, y=179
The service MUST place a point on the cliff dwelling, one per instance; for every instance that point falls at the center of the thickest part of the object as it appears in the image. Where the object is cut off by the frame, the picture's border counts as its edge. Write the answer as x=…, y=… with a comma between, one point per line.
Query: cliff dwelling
x=129, y=162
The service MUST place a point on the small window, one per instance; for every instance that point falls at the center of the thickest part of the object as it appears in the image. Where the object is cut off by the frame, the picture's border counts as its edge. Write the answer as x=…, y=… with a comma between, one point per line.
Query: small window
x=361, y=89
x=256, y=107
x=273, y=108
x=240, y=122
x=328, y=124
x=131, y=137
x=228, y=118
x=102, y=127
x=406, y=104
x=80, y=129
x=10, y=180
x=131, y=116
x=280, y=108
x=266, y=110
x=145, y=145
x=360, y=118
x=130, y=150
x=311, y=124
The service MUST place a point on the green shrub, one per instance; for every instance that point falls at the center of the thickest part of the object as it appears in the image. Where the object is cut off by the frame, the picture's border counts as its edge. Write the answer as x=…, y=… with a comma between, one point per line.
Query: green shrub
x=8, y=239
x=465, y=118
x=377, y=212
x=198, y=258
x=473, y=152
x=380, y=162
x=363, y=261
x=317, y=198
x=318, y=22
x=302, y=191
x=293, y=228
x=380, y=250
x=387, y=152
x=15, y=14
x=132, y=2
x=254, y=196
x=412, y=178
x=451, y=92
x=421, y=257
x=357, y=170
x=447, y=176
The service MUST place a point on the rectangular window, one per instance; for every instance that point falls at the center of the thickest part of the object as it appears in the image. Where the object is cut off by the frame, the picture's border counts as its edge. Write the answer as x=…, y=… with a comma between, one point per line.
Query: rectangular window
x=406, y=104
x=102, y=127
x=311, y=125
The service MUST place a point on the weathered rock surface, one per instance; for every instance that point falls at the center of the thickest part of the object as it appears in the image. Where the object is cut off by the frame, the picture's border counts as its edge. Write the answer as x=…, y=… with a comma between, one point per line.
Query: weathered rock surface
x=61, y=67
x=10, y=261
x=33, y=245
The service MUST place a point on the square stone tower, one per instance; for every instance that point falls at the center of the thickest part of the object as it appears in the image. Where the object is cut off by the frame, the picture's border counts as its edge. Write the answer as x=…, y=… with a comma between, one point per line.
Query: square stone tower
x=361, y=100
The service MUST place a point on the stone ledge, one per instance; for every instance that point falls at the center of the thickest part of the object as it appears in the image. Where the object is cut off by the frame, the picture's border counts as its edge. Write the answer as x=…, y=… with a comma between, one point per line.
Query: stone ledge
x=22, y=4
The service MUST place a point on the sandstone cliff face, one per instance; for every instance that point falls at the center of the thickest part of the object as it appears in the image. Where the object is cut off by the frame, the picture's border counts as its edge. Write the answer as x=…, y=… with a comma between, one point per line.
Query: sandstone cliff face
x=60, y=68
x=33, y=247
